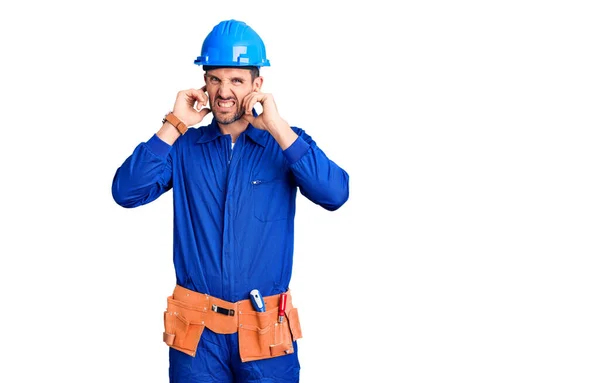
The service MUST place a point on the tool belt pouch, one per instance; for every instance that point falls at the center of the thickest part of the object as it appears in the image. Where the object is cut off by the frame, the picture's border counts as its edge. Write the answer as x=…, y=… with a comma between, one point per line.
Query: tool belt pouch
x=183, y=326
x=261, y=336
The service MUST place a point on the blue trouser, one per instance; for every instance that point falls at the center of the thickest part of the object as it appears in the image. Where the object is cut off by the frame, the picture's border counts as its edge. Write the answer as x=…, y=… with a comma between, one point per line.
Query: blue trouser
x=218, y=360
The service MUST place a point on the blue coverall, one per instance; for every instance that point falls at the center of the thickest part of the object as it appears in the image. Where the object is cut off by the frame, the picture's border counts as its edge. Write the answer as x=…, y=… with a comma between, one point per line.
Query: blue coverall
x=233, y=226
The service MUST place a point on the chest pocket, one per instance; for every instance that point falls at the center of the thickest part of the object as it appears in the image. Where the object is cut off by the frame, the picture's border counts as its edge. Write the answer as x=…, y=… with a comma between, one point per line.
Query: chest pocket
x=272, y=197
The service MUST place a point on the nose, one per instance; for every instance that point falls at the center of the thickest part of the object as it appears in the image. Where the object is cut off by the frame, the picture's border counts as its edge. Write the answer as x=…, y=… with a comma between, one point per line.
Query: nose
x=224, y=90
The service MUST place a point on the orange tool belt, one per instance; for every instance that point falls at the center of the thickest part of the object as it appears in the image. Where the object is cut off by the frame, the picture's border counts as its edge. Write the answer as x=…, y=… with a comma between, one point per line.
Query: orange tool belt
x=260, y=334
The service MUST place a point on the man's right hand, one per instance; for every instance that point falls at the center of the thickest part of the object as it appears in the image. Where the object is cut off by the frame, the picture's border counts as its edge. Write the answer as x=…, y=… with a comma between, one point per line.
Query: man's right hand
x=190, y=106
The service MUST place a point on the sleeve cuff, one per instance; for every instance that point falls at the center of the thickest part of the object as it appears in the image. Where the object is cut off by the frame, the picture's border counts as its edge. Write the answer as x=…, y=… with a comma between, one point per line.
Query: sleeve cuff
x=158, y=146
x=296, y=150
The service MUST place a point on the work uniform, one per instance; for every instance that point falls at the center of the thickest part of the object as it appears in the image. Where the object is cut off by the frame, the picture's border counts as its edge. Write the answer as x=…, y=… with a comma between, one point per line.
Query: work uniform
x=234, y=210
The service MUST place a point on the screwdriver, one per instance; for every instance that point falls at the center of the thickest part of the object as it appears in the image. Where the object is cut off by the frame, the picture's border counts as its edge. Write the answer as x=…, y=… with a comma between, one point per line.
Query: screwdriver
x=282, y=304
x=257, y=300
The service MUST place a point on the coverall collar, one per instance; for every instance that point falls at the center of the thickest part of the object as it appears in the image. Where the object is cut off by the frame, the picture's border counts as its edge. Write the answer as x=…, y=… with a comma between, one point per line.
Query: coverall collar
x=212, y=131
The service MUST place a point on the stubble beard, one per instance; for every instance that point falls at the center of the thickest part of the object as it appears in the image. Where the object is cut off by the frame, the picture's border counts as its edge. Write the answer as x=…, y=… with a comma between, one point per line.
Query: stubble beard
x=231, y=120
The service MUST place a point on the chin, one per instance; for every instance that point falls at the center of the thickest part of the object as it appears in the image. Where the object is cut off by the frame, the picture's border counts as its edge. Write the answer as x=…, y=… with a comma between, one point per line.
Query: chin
x=227, y=119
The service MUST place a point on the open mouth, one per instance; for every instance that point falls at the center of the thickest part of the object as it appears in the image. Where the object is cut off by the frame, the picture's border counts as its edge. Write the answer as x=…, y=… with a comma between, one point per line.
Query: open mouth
x=225, y=104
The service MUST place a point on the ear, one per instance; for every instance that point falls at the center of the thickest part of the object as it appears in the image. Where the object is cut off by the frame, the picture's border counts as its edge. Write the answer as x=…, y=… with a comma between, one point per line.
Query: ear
x=257, y=84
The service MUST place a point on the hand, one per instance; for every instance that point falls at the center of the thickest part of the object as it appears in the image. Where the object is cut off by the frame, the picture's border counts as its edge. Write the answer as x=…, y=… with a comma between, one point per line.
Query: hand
x=186, y=104
x=269, y=118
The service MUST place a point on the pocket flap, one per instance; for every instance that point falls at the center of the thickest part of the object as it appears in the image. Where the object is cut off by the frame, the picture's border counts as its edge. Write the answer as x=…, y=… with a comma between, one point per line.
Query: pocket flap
x=281, y=349
x=168, y=338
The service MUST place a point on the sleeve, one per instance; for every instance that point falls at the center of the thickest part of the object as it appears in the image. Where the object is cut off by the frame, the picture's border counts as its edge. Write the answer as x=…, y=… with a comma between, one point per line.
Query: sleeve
x=319, y=179
x=145, y=175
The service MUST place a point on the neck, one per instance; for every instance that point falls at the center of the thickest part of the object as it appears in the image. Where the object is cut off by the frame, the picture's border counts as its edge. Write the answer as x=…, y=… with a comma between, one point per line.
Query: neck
x=234, y=129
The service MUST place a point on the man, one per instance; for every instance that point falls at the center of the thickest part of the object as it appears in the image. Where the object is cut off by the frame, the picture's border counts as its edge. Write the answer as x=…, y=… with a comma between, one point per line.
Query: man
x=234, y=186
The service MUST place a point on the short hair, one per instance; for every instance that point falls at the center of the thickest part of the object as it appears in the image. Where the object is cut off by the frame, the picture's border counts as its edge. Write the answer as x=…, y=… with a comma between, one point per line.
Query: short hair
x=254, y=70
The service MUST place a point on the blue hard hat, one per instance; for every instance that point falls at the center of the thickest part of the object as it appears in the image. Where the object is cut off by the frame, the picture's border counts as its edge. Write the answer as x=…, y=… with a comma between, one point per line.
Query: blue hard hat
x=233, y=43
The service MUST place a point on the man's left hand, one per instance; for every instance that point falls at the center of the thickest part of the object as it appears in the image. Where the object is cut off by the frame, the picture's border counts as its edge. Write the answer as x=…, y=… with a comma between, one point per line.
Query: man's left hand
x=269, y=119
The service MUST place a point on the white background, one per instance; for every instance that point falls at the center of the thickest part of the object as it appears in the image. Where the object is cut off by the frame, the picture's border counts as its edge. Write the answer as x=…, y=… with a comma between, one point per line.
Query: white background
x=467, y=252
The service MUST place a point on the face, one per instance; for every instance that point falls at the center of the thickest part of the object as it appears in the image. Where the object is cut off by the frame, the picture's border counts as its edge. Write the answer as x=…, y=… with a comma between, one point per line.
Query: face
x=226, y=88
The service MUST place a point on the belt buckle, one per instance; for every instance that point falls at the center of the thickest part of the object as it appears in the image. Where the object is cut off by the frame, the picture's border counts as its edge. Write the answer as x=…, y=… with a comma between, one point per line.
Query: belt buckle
x=224, y=311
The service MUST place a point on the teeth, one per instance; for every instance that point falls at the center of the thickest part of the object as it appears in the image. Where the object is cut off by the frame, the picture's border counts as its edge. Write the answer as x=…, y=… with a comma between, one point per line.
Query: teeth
x=225, y=104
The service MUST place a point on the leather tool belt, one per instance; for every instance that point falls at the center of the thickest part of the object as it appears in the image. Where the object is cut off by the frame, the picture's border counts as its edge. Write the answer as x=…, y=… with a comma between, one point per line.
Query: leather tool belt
x=260, y=334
